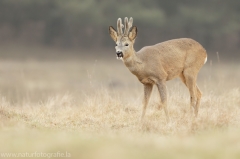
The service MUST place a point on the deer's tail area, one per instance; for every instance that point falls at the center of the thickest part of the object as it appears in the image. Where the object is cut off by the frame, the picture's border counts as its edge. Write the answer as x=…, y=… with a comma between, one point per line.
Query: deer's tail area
x=205, y=60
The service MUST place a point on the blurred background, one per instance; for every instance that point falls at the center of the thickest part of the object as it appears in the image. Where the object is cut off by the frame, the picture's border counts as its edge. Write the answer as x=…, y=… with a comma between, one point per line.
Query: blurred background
x=84, y=23
x=49, y=47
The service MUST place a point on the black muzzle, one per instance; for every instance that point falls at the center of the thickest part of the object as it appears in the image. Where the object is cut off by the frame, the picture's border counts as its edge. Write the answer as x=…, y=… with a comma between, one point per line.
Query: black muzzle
x=119, y=54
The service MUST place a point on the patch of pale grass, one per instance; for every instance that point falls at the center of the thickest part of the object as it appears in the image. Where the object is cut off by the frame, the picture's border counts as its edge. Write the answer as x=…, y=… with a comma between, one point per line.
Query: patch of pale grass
x=104, y=126
x=103, y=112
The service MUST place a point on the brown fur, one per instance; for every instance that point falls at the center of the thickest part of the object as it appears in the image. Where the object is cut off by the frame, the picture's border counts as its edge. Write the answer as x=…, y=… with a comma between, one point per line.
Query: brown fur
x=156, y=64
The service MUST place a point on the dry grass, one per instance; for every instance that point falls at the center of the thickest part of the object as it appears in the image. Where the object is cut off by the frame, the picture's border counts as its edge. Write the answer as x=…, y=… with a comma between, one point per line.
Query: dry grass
x=90, y=107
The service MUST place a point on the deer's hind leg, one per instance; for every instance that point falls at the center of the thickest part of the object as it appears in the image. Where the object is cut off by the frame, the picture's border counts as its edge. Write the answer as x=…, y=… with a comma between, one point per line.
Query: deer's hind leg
x=189, y=78
x=199, y=95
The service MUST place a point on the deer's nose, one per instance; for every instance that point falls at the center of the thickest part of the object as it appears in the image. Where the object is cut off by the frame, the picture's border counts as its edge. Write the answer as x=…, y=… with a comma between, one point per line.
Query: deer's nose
x=119, y=54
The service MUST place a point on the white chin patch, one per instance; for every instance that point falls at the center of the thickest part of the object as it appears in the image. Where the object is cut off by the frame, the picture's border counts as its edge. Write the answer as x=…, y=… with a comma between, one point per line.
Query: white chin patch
x=119, y=58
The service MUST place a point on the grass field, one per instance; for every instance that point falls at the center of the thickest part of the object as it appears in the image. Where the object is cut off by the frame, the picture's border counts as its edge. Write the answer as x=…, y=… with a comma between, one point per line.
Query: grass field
x=89, y=107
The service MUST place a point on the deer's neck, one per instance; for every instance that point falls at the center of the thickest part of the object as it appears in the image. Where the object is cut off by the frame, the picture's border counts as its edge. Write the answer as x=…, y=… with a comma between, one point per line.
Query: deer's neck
x=133, y=63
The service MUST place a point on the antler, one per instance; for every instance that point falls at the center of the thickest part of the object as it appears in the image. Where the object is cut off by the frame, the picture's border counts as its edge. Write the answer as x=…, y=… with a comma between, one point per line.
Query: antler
x=128, y=25
x=119, y=27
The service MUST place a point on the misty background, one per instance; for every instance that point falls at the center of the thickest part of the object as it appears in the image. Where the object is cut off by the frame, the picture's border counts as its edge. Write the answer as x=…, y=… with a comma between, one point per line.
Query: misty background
x=83, y=24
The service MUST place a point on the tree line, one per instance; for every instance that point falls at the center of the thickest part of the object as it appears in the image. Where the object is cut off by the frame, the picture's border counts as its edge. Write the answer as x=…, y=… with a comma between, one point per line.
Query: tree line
x=84, y=23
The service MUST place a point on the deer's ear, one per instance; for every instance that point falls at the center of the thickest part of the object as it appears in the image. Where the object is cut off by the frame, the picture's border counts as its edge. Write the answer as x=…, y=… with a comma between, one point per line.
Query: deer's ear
x=133, y=33
x=113, y=33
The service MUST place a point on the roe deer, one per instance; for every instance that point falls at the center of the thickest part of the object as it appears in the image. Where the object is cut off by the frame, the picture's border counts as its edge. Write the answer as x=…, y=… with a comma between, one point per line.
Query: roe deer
x=159, y=63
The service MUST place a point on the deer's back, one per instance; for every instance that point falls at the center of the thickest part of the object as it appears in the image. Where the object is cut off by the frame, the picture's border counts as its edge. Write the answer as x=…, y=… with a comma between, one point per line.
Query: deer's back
x=174, y=56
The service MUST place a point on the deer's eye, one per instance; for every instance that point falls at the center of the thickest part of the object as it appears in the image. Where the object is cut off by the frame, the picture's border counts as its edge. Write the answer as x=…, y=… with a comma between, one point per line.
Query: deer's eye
x=126, y=44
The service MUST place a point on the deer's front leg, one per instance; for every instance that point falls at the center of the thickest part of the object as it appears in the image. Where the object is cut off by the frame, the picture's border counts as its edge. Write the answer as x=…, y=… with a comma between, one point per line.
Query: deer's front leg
x=147, y=94
x=162, y=88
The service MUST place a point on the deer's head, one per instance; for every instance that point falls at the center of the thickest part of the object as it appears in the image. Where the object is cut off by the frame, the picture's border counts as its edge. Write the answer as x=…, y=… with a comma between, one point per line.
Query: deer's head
x=124, y=40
